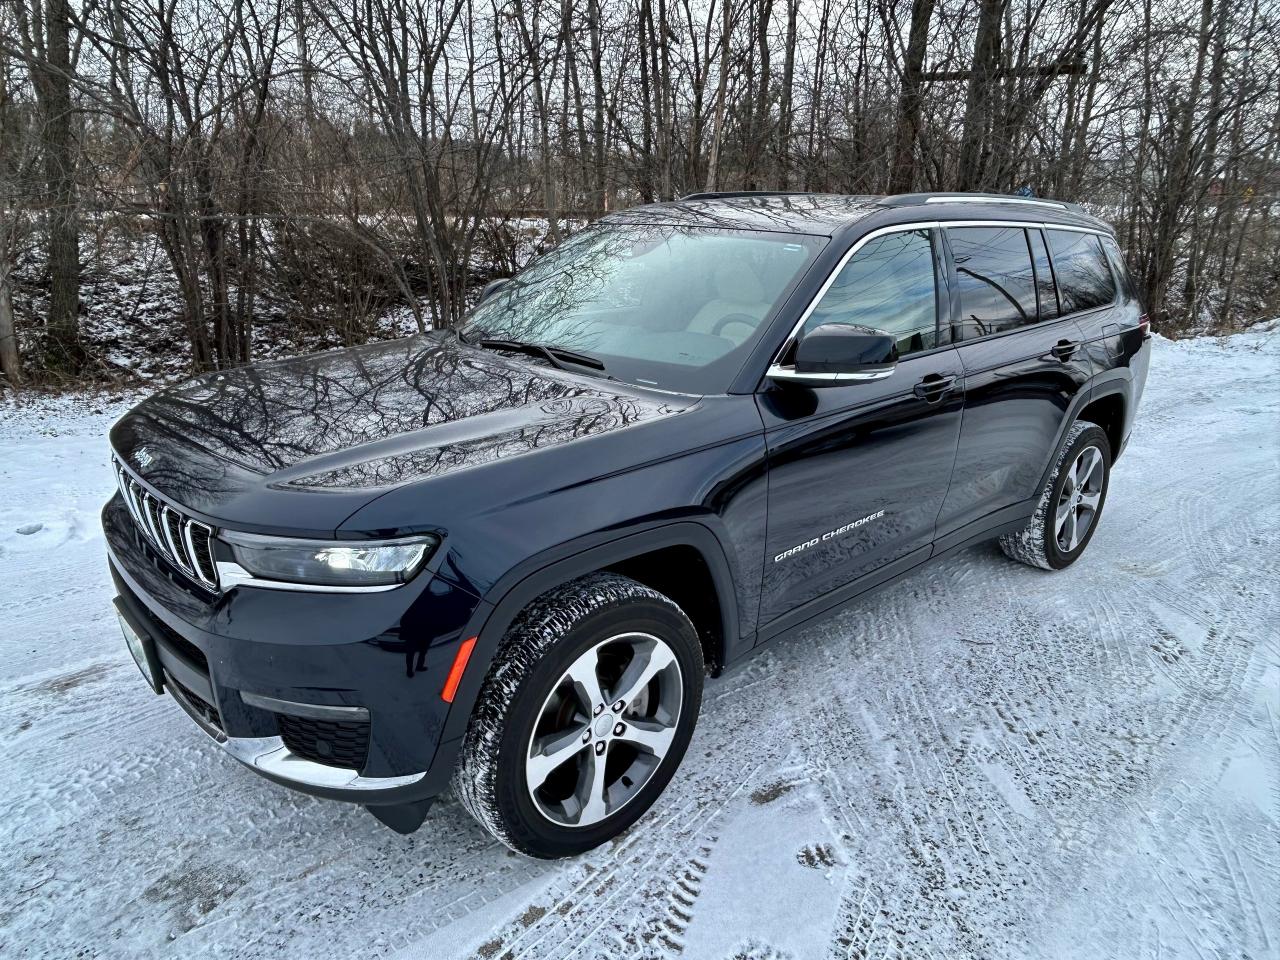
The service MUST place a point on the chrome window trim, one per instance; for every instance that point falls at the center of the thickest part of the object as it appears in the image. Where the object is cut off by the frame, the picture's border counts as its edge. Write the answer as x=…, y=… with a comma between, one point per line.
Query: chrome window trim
x=776, y=369
x=777, y=372
x=1028, y=224
x=831, y=279
x=1111, y=268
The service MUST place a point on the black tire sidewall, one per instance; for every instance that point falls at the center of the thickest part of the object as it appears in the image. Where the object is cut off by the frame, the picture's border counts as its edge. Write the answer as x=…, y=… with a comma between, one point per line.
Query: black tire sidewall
x=1093, y=436
x=531, y=831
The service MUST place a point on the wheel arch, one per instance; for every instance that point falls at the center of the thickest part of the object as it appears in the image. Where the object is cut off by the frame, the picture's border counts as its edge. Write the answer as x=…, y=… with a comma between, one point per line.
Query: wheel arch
x=1107, y=407
x=1107, y=394
x=648, y=556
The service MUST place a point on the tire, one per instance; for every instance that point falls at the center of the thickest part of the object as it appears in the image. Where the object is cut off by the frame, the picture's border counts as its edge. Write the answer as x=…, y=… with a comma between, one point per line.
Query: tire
x=1051, y=540
x=528, y=768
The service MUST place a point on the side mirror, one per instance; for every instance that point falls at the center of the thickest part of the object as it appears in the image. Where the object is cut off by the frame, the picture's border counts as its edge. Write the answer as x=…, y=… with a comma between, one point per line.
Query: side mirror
x=492, y=287
x=837, y=353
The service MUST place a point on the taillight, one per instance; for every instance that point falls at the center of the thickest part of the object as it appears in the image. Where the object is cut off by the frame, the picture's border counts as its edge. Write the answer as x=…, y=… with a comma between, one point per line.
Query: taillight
x=1144, y=324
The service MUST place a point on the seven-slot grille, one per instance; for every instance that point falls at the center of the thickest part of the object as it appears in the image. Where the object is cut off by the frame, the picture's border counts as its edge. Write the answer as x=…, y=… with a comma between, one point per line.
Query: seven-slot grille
x=187, y=543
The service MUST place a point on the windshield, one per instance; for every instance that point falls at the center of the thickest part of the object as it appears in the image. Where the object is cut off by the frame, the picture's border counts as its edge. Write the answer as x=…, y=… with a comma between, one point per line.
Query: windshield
x=672, y=307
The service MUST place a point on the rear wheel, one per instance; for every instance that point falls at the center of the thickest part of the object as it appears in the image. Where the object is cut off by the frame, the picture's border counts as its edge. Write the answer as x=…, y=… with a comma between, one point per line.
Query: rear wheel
x=1070, y=505
x=584, y=716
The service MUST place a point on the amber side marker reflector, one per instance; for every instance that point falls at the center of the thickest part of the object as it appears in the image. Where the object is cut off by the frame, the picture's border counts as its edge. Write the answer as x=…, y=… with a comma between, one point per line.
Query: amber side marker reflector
x=455, y=672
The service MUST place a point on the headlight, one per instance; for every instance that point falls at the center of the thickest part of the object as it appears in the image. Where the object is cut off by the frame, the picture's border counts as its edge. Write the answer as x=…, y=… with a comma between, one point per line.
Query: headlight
x=330, y=563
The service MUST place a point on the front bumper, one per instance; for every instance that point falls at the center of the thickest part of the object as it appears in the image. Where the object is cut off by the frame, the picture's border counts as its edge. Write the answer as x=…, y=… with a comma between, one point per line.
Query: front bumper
x=251, y=666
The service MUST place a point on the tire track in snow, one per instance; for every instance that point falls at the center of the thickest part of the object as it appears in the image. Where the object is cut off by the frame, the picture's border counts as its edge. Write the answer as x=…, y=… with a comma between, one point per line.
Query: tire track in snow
x=1011, y=764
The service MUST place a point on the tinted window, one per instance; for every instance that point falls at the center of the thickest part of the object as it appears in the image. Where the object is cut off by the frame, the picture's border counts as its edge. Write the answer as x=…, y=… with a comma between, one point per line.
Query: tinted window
x=888, y=285
x=1119, y=267
x=1045, y=286
x=1084, y=277
x=997, y=283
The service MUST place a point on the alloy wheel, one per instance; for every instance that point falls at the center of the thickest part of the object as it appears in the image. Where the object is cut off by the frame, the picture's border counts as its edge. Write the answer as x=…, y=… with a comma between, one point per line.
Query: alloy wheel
x=1080, y=499
x=604, y=729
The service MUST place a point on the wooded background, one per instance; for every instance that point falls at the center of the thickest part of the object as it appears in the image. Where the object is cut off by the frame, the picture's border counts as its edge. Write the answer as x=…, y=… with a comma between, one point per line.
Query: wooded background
x=228, y=179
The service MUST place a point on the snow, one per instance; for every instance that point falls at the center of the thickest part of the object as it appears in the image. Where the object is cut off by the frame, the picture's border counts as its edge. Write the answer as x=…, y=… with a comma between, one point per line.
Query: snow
x=983, y=761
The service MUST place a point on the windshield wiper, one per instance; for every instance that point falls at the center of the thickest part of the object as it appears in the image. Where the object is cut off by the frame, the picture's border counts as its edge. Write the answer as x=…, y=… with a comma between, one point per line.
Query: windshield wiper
x=554, y=355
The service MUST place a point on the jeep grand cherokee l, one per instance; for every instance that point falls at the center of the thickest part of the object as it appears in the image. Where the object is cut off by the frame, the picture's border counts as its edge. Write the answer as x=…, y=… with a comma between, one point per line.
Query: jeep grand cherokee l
x=508, y=555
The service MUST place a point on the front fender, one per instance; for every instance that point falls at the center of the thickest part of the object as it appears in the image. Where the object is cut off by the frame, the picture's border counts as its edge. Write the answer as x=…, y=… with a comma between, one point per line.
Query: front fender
x=538, y=574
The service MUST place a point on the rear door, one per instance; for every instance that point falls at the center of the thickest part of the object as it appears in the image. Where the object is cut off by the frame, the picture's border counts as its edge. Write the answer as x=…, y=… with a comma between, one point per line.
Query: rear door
x=1087, y=289
x=858, y=472
x=1023, y=363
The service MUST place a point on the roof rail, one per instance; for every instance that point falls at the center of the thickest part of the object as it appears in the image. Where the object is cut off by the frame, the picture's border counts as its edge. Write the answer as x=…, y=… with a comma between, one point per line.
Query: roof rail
x=912, y=199
x=725, y=194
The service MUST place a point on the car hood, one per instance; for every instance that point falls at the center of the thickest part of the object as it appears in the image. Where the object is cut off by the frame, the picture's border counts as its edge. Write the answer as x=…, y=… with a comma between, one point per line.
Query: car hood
x=302, y=443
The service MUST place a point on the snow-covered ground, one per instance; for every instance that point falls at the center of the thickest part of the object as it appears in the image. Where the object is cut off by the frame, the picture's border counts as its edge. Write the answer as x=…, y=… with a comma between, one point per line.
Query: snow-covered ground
x=985, y=761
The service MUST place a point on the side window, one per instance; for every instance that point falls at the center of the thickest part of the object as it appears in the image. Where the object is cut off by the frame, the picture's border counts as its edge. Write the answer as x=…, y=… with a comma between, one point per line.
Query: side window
x=1120, y=268
x=1045, y=287
x=997, y=282
x=888, y=285
x=1084, y=276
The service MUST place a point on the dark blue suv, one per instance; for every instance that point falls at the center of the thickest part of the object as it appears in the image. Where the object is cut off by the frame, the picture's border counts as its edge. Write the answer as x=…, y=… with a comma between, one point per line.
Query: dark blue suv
x=509, y=555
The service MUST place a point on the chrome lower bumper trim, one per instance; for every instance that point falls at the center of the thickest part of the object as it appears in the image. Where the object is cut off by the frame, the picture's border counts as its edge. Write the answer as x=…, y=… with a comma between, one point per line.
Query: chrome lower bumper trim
x=270, y=756
x=315, y=711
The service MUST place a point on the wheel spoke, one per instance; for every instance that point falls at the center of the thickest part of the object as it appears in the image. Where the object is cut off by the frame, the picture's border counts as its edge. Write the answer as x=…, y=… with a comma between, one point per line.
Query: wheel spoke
x=1073, y=525
x=591, y=792
x=1064, y=513
x=648, y=662
x=1090, y=500
x=551, y=752
x=577, y=776
x=1094, y=466
x=649, y=736
x=586, y=680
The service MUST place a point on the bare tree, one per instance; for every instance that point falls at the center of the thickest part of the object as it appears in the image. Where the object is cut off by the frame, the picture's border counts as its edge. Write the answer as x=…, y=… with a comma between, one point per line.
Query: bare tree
x=44, y=32
x=310, y=168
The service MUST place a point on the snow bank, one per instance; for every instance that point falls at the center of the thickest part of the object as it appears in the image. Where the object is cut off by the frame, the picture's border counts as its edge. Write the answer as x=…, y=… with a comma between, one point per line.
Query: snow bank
x=984, y=761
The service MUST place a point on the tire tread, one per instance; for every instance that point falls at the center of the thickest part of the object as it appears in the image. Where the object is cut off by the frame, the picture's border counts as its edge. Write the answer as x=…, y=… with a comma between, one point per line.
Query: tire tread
x=537, y=629
x=1029, y=545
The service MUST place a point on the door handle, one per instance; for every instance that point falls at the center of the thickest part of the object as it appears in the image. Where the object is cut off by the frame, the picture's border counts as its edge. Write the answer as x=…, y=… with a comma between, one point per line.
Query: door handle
x=933, y=387
x=1064, y=350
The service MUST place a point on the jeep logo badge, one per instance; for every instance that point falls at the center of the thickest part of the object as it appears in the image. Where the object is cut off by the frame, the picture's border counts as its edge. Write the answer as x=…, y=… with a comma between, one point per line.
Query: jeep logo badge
x=143, y=457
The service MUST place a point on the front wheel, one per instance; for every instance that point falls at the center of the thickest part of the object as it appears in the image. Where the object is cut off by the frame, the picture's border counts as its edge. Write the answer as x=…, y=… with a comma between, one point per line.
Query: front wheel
x=583, y=718
x=1070, y=505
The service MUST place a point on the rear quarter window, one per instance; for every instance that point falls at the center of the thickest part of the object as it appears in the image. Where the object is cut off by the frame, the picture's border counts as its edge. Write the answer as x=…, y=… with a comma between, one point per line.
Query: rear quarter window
x=1120, y=268
x=1085, y=280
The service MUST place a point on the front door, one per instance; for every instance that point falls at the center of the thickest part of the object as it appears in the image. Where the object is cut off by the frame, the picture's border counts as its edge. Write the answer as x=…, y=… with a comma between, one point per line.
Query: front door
x=858, y=472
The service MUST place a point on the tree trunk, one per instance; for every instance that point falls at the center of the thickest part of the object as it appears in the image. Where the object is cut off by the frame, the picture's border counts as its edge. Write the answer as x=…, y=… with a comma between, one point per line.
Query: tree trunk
x=598, y=95
x=1160, y=269
x=10, y=363
x=787, y=99
x=977, y=107
x=60, y=171
x=717, y=129
x=903, y=175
